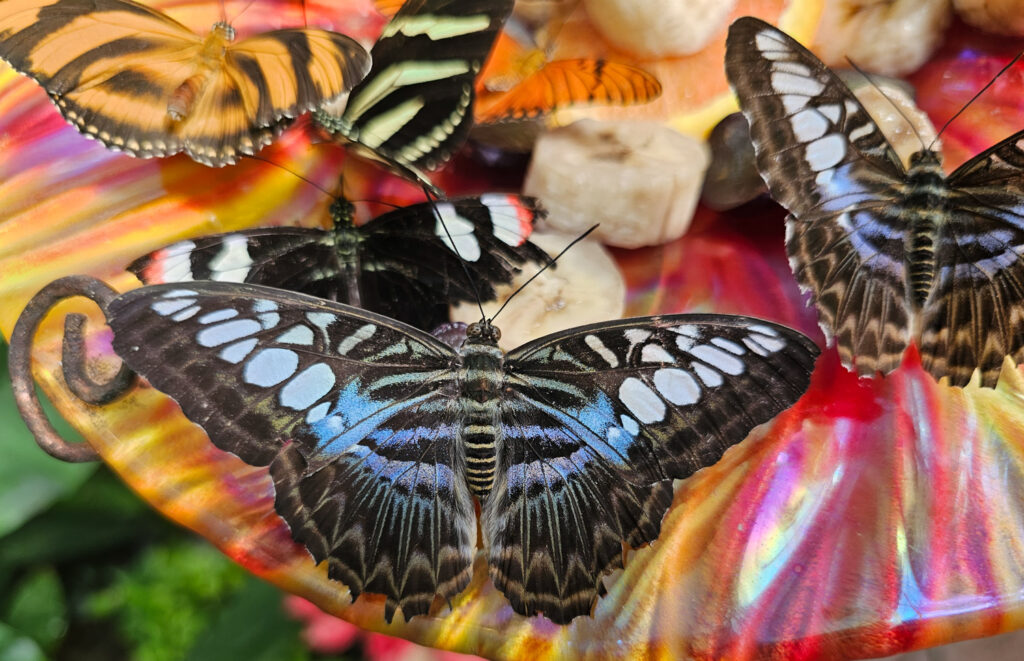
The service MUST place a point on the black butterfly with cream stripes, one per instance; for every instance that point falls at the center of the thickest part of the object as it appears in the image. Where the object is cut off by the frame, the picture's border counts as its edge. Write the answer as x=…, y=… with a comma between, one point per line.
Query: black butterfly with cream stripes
x=379, y=436
x=415, y=106
x=400, y=264
x=891, y=256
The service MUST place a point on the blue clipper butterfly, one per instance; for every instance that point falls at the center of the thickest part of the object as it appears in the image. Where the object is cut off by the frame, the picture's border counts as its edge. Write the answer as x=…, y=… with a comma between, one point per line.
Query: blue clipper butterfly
x=379, y=436
x=415, y=106
x=890, y=255
x=400, y=264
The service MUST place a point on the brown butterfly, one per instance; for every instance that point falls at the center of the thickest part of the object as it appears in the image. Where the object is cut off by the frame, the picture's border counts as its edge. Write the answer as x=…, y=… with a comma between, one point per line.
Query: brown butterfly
x=142, y=83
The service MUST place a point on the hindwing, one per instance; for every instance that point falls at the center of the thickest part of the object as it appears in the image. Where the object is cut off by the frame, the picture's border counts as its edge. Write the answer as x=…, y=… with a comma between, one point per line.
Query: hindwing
x=598, y=421
x=975, y=314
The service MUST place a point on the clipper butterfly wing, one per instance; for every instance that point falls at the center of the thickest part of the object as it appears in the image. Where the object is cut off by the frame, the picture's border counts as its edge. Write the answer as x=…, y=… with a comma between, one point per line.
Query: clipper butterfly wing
x=414, y=108
x=379, y=436
x=890, y=255
x=401, y=263
x=142, y=83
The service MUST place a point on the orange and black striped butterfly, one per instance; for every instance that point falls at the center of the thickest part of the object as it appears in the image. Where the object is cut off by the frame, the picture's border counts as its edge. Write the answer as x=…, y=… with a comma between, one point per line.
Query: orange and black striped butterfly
x=520, y=83
x=140, y=82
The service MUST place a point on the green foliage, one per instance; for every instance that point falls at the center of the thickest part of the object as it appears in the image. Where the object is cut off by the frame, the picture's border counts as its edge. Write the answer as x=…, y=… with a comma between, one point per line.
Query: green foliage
x=164, y=600
x=30, y=480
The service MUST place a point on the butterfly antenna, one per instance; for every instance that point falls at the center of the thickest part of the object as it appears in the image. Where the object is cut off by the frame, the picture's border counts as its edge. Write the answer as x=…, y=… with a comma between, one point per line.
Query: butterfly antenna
x=432, y=198
x=899, y=110
x=544, y=268
x=979, y=93
x=239, y=14
x=315, y=185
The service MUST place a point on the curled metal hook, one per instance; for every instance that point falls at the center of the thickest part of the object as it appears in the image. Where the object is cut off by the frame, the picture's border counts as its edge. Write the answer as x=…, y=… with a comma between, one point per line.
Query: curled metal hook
x=73, y=359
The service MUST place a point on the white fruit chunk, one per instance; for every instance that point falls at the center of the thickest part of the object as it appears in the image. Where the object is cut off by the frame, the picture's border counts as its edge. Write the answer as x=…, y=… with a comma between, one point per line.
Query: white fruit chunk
x=1002, y=16
x=659, y=28
x=892, y=37
x=585, y=287
x=639, y=180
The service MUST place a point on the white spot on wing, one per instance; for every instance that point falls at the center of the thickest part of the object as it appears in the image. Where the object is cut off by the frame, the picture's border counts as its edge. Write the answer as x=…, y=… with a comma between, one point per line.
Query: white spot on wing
x=641, y=401
x=298, y=334
x=710, y=377
x=718, y=358
x=361, y=334
x=465, y=244
x=232, y=263
x=862, y=131
x=165, y=307
x=217, y=315
x=677, y=386
x=236, y=353
x=655, y=353
x=307, y=387
x=825, y=152
x=318, y=413
x=630, y=425
x=595, y=343
x=808, y=124
x=728, y=345
x=270, y=367
x=831, y=111
x=229, y=331
x=788, y=83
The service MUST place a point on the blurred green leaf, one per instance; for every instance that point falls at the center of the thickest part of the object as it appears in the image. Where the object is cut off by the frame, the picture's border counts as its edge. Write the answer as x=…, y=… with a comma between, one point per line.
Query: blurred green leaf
x=167, y=597
x=251, y=626
x=30, y=480
x=37, y=608
x=101, y=515
x=15, y=646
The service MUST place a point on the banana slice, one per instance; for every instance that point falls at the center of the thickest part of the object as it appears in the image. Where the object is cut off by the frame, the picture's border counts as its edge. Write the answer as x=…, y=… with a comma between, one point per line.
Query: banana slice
x=585, y=287
x=639, y=180
x=659, y=28
x=892, y=37
x=1002, y=16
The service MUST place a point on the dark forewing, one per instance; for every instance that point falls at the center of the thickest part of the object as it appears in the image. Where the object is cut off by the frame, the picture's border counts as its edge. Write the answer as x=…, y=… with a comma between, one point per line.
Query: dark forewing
x=416, y=104
x=826, y=160
x=599, y=418
x=354, y=411
x=974, y=316
x=408, y=257
x=295, y=258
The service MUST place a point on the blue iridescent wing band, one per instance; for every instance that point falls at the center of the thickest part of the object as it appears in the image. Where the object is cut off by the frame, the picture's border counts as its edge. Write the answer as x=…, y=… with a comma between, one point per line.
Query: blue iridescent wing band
x=355, y=413
x=599, y=420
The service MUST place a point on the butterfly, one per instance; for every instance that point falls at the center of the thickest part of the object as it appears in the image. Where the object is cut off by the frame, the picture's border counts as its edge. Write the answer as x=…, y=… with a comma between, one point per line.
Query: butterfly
x=520, y=83
x=142, y=83
x=401, y=263
x=379, y=436
x=414, y=108
x=890, y=255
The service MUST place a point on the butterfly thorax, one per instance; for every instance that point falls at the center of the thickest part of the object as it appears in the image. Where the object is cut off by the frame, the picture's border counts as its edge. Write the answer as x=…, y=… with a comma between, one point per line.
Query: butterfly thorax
x=481, y=379
x=211, y=58
x=925, y=200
